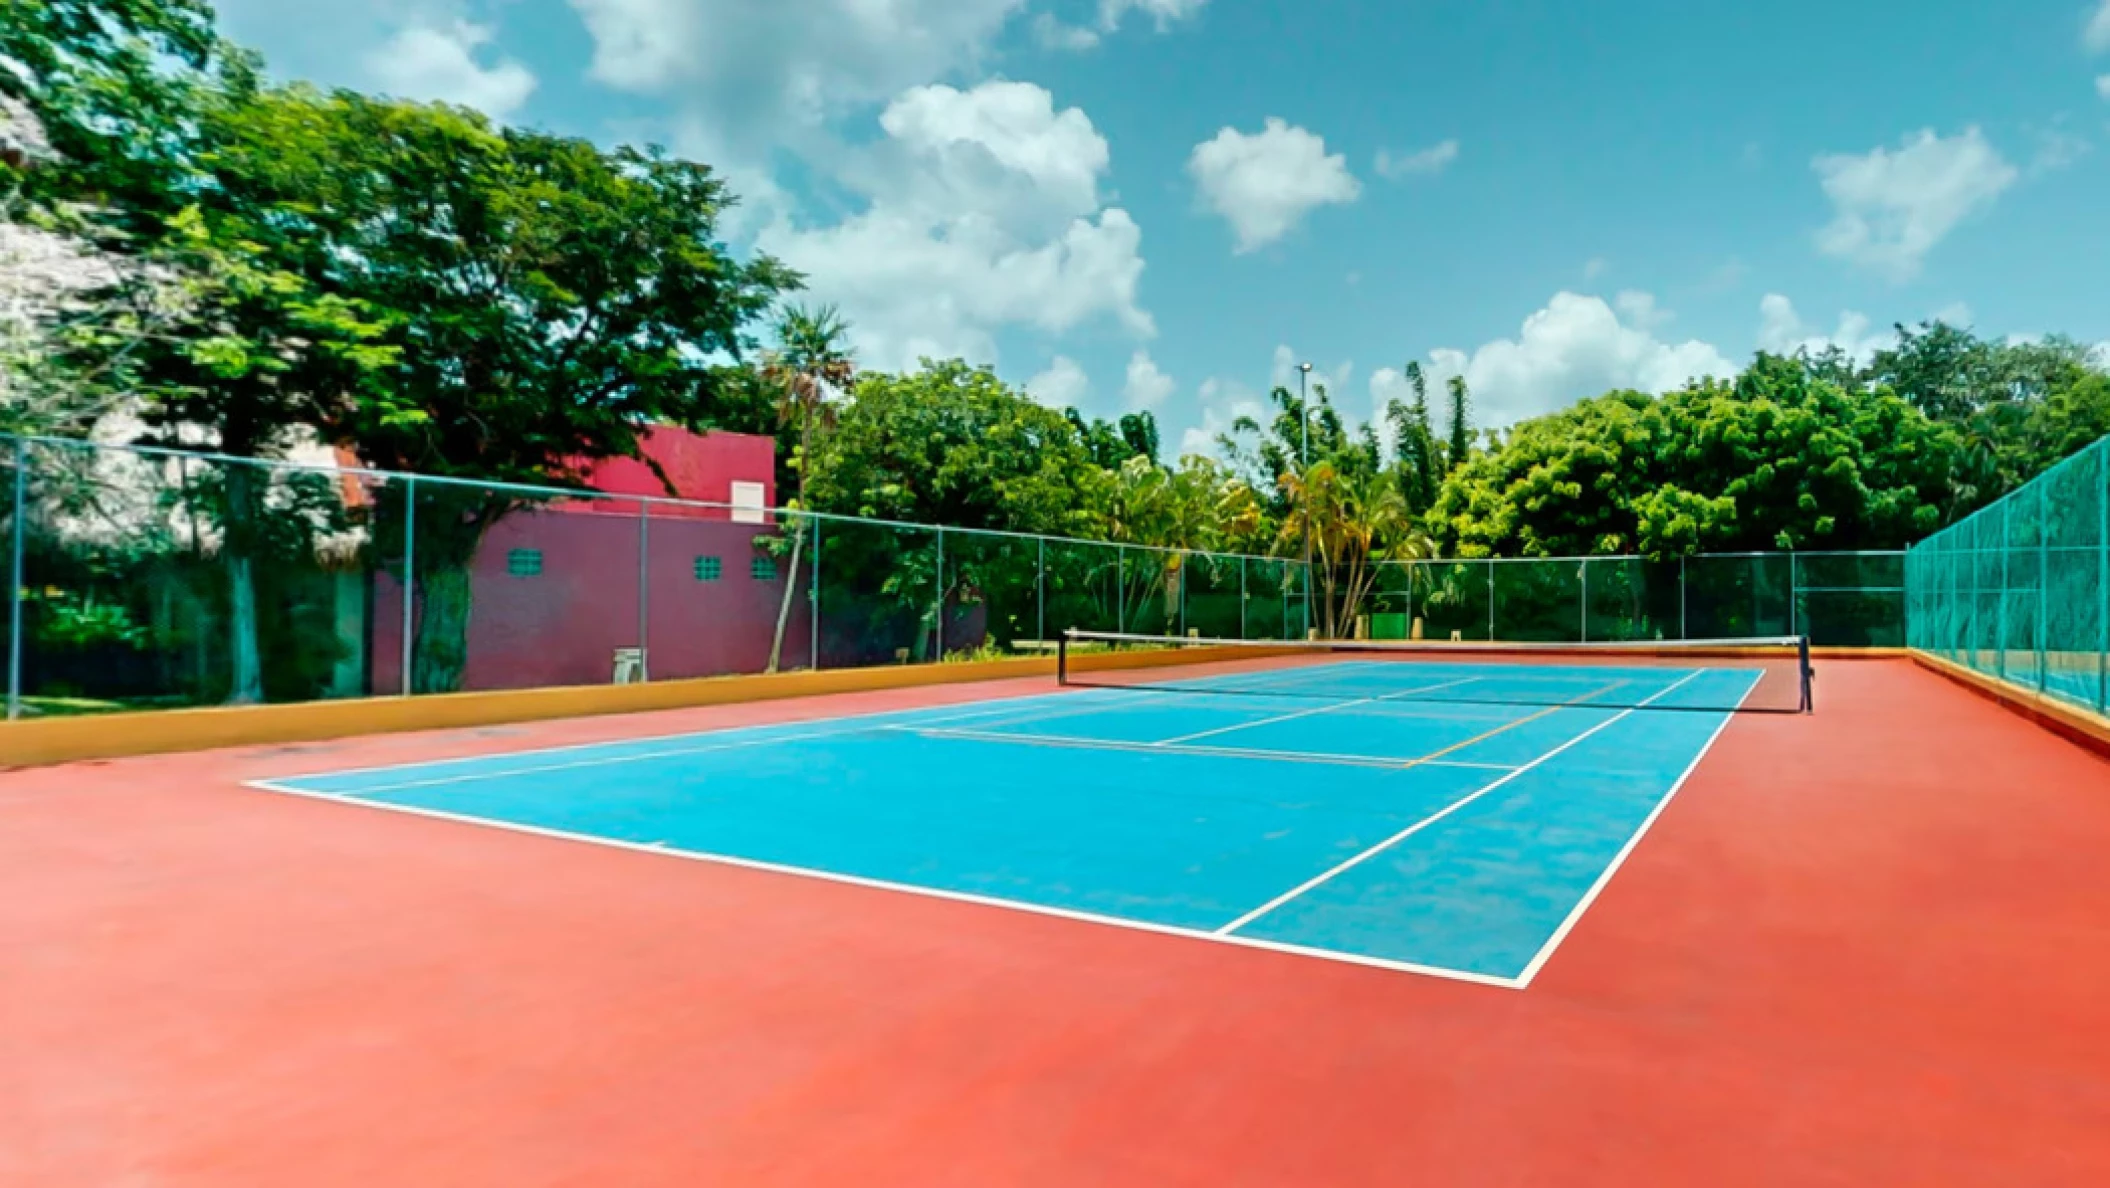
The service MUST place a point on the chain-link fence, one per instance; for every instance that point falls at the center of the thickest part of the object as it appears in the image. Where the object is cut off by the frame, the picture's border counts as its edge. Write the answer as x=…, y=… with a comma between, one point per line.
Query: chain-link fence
x=146, y=577
x=1837, y=599
x=2021, y=589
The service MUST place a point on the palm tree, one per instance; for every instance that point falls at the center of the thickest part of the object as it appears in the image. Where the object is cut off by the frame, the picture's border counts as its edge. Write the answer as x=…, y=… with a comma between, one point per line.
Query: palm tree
x=1357, y=518
x=810, y=366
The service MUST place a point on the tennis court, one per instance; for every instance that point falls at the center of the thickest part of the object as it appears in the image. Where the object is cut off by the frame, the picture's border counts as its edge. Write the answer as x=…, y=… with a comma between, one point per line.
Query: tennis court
x=1410, y=807
x=1336, y=916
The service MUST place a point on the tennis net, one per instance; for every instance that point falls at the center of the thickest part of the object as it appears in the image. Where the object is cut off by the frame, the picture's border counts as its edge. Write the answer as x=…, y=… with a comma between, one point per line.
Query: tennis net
x=1771, y=675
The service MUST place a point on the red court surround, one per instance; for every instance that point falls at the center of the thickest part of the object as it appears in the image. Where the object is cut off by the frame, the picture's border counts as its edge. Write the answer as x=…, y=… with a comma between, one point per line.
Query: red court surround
x=1870, y=947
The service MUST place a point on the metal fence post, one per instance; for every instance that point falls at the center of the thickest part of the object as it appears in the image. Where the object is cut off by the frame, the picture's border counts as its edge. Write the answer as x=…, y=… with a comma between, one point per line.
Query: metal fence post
x=1585, y=567
x=939, y=655
x=1794, y=594
x=2102, y=572
x=2006, y=547
x=14, y=585
x=2043, y=585
x=644, y=591
x=1683, y=631
x=1040, y=590
x=813, y=618
x=1241, y=598
x=1121, y=588
x=410, y=570
x=1490, y=598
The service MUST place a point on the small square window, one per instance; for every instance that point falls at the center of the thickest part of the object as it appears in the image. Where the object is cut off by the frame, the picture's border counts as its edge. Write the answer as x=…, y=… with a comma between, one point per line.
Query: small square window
x=709, y=569
x=764, y=569
x=524, y=562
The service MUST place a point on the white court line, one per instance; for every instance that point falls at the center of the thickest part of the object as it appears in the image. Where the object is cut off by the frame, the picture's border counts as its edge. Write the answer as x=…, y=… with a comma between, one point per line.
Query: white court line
x=1158, y=748
x=1328, y=875
x=1009, y=705
x=827, y=876
x=1324, y=709
x=1604, y=877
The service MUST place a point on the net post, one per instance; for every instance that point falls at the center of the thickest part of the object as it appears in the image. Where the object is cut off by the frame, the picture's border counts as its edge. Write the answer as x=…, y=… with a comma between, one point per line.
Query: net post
x=1808, y=672
x=1062, y=659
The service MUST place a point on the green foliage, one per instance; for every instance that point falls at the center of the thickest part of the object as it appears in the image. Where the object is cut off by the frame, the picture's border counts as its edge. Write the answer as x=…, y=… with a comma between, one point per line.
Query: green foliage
x=1458, y=451
x=1777, y=460
x=953, y=444
x=543, y=300
x=116, y=86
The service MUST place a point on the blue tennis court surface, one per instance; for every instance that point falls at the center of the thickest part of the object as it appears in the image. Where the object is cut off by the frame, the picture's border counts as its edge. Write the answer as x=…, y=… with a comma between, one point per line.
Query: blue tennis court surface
x=1390, y=826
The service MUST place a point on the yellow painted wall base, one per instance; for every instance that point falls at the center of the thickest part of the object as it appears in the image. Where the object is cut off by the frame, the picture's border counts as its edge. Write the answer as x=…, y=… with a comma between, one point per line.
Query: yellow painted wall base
x=110, y=736
x=2054, y=715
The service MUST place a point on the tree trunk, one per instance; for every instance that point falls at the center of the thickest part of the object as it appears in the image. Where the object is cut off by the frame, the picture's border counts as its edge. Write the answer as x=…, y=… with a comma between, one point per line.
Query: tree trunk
x=246, y=683
x=791, y=585
x=441, y=650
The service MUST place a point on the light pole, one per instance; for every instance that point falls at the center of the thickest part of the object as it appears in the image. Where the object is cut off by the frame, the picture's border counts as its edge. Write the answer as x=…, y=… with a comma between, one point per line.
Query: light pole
x=1304, y=478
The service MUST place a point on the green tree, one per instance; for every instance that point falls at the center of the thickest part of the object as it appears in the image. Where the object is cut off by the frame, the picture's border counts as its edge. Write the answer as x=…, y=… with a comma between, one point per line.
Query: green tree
x=1113, y=443
x=810, y=366
x=1415, y=450
x=548, y=300
x=1139, y=430
x=252, y=354
x=1355, y=519
x=116, y=87
x=1775, y=460
x=946, y=444
x=1459, y=450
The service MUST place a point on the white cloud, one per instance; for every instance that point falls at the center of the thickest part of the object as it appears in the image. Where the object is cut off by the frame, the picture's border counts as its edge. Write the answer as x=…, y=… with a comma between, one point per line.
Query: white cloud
x=1266, y=182
x=766, y=75
x=1000, y=149
x=1892, y=207
x=1163, y=12
x=1052, y=34
x=1575, y=347
x=1782, y=331
x=1147, y=387
x=2057, y=149
x=1434, y=159
x=1639, y=310
x=1222, y=402
x=983, y=211
x=2096, y=37
x=1062, y=385
x=437, y=62
x=2102, y=85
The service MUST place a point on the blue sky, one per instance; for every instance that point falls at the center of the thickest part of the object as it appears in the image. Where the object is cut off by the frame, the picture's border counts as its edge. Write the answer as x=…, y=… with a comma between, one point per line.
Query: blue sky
x=1166, y=204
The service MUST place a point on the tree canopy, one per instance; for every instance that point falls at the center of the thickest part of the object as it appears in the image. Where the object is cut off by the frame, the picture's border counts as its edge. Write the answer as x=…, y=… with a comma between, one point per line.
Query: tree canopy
x=1777, y=459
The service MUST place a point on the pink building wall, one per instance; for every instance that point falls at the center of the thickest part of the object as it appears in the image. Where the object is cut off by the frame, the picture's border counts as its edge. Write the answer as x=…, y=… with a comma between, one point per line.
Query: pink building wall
x=564, y=624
